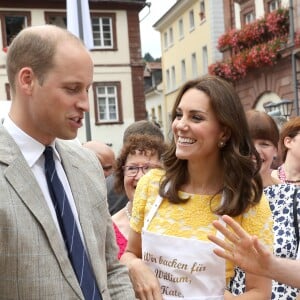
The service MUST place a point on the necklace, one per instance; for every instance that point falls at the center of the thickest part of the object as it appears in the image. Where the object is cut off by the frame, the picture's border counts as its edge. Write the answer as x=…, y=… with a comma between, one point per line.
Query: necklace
x=292, y=181
x=128, y=214
x=282, y=176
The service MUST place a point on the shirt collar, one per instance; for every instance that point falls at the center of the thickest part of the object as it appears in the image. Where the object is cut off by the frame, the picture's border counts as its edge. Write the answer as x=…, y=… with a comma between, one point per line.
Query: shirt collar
x=30, y=148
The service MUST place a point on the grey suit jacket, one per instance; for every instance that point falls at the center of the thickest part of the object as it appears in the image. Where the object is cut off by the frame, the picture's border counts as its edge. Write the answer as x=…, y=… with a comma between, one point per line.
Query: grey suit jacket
x=33, y=260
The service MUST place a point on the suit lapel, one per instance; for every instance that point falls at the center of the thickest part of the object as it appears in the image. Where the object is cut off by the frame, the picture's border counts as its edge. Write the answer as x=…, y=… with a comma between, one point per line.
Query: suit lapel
x=32, y=197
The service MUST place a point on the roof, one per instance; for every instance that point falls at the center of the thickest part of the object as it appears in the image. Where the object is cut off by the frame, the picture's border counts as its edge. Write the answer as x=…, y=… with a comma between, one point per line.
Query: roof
x=153, y=65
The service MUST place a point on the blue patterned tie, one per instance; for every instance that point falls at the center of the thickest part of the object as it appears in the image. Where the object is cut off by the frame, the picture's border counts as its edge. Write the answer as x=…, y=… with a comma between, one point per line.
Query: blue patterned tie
x=68, y=227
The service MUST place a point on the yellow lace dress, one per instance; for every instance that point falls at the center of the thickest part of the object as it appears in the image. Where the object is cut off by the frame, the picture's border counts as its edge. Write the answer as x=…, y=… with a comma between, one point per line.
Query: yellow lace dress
x=193, y=219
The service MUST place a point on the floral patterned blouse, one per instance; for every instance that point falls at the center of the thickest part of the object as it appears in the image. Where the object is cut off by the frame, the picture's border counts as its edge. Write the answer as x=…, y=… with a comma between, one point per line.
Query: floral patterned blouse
x=285, y=243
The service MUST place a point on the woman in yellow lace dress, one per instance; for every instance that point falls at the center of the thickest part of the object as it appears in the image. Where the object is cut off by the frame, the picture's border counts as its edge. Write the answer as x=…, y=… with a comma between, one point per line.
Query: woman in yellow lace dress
x=211, y=169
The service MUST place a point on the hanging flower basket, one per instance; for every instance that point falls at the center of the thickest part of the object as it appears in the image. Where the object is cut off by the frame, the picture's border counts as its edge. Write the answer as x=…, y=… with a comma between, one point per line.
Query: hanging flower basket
x=273, y=25
x=265, y=54
x=256, y=45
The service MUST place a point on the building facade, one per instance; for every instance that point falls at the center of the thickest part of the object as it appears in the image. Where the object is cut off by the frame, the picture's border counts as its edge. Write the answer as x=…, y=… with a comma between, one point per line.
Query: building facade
x=189, y=33
x=153, y=87
x=117, y=96
x=266, y=68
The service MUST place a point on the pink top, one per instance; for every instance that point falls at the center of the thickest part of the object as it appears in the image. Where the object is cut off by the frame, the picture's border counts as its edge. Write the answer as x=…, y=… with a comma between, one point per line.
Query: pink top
x=281, y=174
x=121, y=240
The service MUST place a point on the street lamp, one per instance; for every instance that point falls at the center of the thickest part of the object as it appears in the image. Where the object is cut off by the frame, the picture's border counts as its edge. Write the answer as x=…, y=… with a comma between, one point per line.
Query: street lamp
x=280, y=111
x=285, y=107
x=270, y=107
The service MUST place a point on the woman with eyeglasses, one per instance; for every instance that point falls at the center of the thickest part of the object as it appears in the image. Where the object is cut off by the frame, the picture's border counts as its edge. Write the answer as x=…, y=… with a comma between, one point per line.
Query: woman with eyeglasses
x=208, y=170
x=139, y=154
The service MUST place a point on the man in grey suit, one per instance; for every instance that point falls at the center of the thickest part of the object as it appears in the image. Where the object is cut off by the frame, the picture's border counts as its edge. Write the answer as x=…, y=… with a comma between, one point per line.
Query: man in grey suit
x=50, y=72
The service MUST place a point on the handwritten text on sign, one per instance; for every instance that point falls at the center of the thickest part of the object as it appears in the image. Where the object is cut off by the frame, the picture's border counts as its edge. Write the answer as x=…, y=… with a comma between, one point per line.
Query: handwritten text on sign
x=168, y=276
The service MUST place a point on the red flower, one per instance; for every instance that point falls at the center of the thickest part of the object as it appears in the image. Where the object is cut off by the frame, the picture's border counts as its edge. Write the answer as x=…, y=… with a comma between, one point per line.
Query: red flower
x=273, y=25
x=254, y=46
x=264, y=54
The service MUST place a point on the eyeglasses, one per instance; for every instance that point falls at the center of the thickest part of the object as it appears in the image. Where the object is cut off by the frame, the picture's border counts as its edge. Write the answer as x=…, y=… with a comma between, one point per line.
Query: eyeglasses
x=132, y=171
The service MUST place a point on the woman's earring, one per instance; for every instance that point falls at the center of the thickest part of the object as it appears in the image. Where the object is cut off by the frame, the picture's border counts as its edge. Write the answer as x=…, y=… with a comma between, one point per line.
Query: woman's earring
x=221, y=144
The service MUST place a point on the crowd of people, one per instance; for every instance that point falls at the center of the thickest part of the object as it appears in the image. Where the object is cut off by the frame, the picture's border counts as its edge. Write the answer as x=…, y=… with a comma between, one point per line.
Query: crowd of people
x=205, y=215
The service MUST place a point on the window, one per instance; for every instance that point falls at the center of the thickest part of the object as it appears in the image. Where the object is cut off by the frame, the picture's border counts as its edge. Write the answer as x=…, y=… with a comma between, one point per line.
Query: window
x=12, y=23
x=58, y=19
x=249, y=17
x=183, y=71
x=153, y=116
x=104, y=31
x=205, y=60
x=274, y=5
x=202, y=10
x=159, y=113
x=103, y=26
x=168, y=80
x=171, y=37
x=180, y=29
x=194, y=65
x=166, y=40
x=192, y=20
x=107, y=102
x=173, y=79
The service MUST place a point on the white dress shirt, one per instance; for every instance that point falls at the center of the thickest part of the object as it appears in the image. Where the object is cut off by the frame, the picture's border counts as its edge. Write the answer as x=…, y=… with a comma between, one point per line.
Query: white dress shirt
x=32, y=151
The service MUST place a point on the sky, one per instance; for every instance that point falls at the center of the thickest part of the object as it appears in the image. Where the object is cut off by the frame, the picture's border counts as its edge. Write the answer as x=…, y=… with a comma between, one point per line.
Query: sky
x=150, y=38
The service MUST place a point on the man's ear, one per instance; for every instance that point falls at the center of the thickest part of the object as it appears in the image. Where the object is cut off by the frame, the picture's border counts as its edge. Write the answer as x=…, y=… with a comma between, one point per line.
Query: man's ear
x=26, y=80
